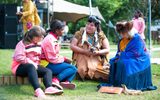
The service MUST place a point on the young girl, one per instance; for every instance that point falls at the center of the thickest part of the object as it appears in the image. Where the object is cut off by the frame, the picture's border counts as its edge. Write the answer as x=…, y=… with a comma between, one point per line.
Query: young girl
x=26, y=62
x=139, y=23
x=63, y=71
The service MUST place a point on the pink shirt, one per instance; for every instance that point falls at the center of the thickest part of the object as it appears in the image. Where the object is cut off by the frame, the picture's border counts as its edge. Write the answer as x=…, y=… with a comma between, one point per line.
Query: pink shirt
x=51, y=48
x=139, y=25
x=26, y=54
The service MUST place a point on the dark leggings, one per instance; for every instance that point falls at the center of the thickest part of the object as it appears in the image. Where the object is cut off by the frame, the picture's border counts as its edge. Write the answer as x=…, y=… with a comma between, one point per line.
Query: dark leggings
x=28, y=70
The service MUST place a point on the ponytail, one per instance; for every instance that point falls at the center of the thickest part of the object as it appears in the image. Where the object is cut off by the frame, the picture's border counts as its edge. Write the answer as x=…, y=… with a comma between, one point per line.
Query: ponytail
x=26, y=37
x=48, y=31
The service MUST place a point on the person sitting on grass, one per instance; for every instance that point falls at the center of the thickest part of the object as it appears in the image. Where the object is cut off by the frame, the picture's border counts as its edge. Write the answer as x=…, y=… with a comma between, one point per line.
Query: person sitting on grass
x=26, y=62
x=62, y=70
x=91, y=49
x=131, y=67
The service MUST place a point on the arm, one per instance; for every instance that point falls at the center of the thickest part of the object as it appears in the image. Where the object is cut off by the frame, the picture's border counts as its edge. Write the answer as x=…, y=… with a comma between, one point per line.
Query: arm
x=30, y=10
x=20, y=55
x=106, y=47
x=77, y=49
x=142, y=25
x=51, y=51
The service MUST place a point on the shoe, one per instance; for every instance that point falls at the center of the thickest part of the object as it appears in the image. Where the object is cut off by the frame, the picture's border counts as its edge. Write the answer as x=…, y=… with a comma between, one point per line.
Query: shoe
x=39, y=93
x=68, y=85
x=55, y=83
x=53, y=90
x=55, y=80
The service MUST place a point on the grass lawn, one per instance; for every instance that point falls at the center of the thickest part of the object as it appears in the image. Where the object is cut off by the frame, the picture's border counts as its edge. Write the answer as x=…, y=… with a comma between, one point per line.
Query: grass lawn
x=85, y=90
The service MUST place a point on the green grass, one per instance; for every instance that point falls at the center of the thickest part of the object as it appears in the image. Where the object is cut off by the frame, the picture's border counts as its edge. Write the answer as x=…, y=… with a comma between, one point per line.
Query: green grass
x=85, y=90
x=5, y=61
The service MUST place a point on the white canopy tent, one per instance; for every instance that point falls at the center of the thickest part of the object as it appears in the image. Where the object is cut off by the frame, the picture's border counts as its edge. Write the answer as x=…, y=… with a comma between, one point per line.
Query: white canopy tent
x=68, y=11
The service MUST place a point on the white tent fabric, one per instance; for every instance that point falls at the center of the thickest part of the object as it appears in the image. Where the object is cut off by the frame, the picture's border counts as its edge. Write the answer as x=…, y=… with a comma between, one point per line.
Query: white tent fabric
x=68, y=11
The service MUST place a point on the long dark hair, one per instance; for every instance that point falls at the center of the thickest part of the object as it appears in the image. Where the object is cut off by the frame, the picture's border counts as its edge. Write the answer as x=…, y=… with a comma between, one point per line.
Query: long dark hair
x=35, y=31
x=55, y=25
x=96, y=20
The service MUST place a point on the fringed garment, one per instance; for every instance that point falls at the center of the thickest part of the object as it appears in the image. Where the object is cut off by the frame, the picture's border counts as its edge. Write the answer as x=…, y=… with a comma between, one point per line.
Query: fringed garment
x=90, y=66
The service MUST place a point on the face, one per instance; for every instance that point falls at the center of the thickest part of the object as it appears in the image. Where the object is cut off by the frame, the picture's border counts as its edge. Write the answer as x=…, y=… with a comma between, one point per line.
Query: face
x=60, y=32
x=90, y=28
x=37, y=39
x=136, y=14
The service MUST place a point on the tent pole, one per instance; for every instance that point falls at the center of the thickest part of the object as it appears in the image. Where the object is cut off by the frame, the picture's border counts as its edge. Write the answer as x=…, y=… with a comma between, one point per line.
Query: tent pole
x=48, y=14
x=90, y=6
x=52, y=8
x=52, y=18
x=149, y=25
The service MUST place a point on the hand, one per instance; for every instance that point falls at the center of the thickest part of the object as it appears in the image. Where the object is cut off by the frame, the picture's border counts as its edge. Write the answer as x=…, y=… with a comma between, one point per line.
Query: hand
x=19, y=21
x=19, y=13
x=67, y=60
x=92, y=49
x=96, y=52
x=88, y=53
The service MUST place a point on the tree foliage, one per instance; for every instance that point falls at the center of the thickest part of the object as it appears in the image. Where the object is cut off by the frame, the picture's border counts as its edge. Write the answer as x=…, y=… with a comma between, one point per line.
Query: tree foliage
x=115, y=9
x=112, y=10
x=155, y=9
x=122, y=9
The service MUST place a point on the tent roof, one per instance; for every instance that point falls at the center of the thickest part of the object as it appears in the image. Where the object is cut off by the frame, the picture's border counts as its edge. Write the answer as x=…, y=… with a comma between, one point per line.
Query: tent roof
x=68, y=11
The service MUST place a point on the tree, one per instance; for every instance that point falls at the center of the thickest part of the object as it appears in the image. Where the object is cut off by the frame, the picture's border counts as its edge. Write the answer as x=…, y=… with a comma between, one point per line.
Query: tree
x=155, y=9
x=114, y=10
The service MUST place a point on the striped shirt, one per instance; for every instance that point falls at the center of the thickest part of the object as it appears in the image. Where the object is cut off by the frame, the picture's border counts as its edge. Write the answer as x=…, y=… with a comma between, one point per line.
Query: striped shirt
x=26, y=54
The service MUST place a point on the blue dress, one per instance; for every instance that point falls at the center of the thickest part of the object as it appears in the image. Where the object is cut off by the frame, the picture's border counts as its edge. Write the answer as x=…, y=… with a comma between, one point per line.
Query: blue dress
x=131, y=67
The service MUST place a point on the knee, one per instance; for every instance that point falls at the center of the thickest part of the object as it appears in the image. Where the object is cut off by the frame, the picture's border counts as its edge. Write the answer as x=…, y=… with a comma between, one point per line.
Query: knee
x=74, y=69
x=81, y=70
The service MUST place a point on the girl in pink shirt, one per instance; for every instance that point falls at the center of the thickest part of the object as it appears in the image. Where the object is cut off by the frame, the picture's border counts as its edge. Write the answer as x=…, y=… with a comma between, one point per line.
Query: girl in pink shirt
x=26, y=62
x=63, y=72
x=139, y=23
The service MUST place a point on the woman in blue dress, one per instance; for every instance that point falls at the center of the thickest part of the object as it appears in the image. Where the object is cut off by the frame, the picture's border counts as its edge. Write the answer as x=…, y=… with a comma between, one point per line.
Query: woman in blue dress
x=131, y=66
